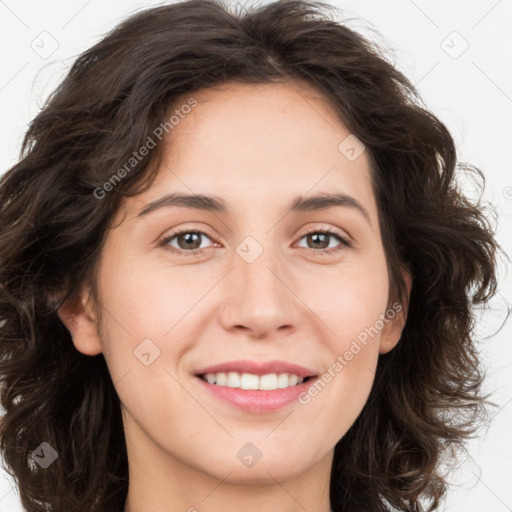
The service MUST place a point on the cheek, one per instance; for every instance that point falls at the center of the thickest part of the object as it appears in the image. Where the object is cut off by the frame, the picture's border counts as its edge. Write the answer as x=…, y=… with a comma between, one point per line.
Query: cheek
x=152, y=315
x=150, y=300
x=349, y=300
x=143, y=338
x=351, y=305
x=339, y=395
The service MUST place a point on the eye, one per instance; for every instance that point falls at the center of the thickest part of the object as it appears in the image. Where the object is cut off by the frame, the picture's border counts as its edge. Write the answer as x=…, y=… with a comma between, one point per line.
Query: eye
x=325, y=234
x=189, y=241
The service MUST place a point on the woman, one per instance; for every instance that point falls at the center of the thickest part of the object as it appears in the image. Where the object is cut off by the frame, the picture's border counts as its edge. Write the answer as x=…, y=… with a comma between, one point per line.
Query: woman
x=253, y=369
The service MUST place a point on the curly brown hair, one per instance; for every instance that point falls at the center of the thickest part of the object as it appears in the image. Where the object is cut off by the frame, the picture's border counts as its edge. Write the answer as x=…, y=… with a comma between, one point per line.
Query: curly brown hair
x=426, y=398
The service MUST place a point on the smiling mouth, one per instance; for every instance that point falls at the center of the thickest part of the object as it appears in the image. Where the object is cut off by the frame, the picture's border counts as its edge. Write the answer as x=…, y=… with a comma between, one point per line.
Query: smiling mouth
x=250, y=381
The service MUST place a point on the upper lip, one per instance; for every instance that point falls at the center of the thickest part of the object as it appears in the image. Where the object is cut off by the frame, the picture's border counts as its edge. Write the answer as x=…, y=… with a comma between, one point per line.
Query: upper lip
x=258, y=368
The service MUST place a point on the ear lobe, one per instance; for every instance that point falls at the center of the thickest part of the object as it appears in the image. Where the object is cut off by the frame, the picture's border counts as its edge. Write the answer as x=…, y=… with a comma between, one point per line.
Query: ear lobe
x=81, y=322
x=396, y=318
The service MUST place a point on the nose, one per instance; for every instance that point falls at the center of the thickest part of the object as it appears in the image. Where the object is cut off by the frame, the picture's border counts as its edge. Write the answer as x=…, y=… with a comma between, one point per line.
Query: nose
x=260, y=299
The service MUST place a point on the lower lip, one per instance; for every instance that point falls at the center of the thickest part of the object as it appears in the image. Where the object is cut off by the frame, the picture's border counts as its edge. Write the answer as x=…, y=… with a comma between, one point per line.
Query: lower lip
x=257, y=400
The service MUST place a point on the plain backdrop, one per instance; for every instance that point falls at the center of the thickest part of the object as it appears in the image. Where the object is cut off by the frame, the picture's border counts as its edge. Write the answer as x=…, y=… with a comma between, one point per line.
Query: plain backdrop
x=457, y=53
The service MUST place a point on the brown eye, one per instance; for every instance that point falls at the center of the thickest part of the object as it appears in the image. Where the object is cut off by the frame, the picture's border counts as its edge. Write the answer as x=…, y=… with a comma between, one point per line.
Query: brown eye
x=188, y=241
x=319, y=241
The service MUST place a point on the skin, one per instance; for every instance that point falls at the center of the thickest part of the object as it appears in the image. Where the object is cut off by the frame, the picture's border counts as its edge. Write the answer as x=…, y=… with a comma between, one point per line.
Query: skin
x=258, y=147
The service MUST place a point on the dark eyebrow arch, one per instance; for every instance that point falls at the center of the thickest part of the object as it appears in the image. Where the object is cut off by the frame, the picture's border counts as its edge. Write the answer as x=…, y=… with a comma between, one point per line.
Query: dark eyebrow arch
x=218, y=205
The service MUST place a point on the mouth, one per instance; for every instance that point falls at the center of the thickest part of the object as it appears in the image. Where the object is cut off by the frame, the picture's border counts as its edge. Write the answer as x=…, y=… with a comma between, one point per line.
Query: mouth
x=256, y=387
x=247, y=381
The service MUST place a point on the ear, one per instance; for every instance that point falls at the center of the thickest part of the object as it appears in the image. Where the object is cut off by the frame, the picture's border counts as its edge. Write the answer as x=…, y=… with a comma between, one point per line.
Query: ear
x=396, y=317
x=81, y=321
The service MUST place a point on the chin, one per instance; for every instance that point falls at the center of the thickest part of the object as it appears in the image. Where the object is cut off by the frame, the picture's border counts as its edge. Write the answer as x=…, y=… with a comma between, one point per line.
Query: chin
x=281, y=465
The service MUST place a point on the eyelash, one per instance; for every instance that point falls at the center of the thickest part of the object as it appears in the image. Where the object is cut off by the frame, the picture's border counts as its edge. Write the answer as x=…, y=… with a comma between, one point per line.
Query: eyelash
x=321, y=252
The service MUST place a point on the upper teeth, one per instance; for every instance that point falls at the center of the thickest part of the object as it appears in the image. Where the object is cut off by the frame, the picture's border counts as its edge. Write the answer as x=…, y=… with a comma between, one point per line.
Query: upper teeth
x=268, y=381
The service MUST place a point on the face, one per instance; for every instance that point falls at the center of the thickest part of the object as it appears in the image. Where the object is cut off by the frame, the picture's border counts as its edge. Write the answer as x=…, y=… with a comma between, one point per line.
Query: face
x=253, y=288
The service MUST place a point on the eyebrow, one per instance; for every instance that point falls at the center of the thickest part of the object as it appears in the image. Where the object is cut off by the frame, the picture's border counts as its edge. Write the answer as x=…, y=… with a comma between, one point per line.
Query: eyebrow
x=218, y=205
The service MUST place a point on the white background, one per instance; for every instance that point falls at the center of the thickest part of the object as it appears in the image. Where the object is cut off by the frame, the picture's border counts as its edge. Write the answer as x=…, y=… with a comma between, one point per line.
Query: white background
x=471, y=93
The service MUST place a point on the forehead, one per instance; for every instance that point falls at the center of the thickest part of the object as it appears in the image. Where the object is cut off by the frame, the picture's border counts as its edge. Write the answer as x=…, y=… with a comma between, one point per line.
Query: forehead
x=267, y=119
x=269, y=142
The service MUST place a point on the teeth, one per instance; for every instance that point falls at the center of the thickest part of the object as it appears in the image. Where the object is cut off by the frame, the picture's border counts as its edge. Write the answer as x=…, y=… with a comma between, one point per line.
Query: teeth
x=282, y=380
x=267, y=382
x=210, y=377
x=233, y=380
x=292, y=380
x=249, y=381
